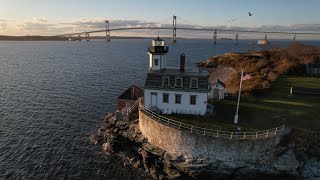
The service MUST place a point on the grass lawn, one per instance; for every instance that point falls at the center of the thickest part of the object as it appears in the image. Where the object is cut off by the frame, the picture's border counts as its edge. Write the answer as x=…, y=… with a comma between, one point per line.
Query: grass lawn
x=276, y=108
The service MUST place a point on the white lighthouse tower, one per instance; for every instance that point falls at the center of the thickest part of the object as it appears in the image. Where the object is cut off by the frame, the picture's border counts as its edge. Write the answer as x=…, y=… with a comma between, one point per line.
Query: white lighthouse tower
x=158, y=55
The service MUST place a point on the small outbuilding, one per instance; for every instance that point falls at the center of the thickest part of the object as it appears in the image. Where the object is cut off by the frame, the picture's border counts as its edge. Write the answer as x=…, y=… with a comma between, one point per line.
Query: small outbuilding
x=218, y=90
x=129, y=97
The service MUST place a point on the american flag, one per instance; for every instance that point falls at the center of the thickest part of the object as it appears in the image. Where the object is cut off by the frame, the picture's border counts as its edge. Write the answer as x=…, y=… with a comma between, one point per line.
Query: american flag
x=246, y=77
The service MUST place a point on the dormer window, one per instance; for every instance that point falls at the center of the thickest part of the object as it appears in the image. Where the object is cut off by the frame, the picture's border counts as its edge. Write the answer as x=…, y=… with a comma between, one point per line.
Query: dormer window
x=178, y=82
x=194, y=83
x=165, y=81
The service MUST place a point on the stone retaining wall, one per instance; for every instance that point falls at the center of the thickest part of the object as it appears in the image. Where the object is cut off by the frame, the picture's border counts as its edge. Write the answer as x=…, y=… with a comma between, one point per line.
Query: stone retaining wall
x=197, y=147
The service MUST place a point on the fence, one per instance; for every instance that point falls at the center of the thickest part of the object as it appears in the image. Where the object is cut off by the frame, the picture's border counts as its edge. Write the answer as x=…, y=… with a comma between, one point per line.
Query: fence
x=133, y=107
x=214, y=133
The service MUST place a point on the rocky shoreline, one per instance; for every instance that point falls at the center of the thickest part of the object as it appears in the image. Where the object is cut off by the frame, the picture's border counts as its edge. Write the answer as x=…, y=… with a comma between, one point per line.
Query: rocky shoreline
x=297, y=156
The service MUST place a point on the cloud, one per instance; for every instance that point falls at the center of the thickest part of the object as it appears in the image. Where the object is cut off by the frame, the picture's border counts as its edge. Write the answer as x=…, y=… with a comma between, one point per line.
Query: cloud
x=29, y=26
x=3, y=20
x=36, y=24
x=306, y=27
x=39, y=20
x=3, y=26
x=100, y=23
x=275, y=28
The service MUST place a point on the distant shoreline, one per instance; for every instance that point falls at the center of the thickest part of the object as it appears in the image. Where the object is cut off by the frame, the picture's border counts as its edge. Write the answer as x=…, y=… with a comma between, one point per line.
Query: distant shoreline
x=66, y=38
x=57, y=38
x=75, y=38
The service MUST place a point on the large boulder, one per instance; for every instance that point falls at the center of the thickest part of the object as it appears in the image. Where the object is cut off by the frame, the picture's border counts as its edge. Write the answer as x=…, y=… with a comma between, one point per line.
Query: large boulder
x=287, y=163
x=311, y=169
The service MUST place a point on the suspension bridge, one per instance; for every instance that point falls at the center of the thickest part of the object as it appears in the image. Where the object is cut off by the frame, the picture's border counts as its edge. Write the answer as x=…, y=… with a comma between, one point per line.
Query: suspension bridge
x=186, y=26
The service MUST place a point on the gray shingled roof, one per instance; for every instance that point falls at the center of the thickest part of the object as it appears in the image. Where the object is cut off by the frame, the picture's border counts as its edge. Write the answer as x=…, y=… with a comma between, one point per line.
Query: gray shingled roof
x=132, y=93
x=154, y=80
x=221, y=83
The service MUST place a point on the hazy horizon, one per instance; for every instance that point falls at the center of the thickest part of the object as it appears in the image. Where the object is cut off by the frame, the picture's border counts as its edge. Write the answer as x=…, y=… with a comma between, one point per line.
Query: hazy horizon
x=47, y=18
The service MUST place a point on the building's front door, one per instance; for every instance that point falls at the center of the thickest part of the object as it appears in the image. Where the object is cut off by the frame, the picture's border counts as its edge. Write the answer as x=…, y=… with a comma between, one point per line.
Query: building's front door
x=153, y=99
x=216, y=93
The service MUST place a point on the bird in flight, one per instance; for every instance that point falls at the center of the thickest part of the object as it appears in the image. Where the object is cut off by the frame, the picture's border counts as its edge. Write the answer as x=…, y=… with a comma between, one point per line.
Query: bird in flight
x=250, y=14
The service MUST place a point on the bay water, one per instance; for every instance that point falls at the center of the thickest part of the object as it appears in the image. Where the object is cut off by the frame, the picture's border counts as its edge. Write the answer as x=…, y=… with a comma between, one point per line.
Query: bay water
x=53, y=95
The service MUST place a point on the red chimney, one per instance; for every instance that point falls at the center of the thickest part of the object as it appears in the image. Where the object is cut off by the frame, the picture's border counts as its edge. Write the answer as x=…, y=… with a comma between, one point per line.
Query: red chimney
x=182, y=62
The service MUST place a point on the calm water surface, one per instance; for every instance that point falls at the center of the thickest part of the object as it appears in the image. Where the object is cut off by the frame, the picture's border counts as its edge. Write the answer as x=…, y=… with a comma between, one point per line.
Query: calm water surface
x=54, y=94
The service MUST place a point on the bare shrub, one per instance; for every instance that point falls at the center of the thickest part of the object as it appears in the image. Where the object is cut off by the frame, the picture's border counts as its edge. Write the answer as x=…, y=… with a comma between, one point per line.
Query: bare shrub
x=266, y=66
x=272, y=76
x=265, y=84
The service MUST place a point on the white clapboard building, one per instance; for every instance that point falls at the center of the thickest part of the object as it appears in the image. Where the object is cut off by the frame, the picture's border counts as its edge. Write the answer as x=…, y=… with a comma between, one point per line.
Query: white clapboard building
x=218, y=90
x=170, y=90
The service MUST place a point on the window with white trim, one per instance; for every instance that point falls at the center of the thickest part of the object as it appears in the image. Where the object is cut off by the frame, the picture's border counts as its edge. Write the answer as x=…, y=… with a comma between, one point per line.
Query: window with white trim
x=165, y=81
x=178, y=82
x=193, y=99
x=165, y=98
x=178, y=99
x=193, y=83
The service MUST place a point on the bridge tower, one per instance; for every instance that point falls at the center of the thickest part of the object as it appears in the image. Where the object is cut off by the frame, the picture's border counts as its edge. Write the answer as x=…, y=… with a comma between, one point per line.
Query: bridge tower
x=174, y=28
x=215, y=37
x=107, y=31
x=87, y=37
x=265, y=36
x=236, y=42
x=158, y=54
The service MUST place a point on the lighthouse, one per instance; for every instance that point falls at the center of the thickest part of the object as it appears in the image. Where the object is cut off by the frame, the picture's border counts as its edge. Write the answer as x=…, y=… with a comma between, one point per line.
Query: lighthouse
x=178, y=90
x=158, y=55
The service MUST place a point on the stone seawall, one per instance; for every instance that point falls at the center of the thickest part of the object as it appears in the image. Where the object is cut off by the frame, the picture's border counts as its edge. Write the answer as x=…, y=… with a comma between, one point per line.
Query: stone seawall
x=204, y=156
x=159, y=151
x=197, y=147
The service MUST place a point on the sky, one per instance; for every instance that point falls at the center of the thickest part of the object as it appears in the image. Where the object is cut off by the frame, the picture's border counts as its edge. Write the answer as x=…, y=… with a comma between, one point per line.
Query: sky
x=51, y=17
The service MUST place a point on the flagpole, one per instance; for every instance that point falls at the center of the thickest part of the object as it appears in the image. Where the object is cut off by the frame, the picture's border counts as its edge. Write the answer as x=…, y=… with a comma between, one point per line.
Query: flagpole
x=237, y=116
